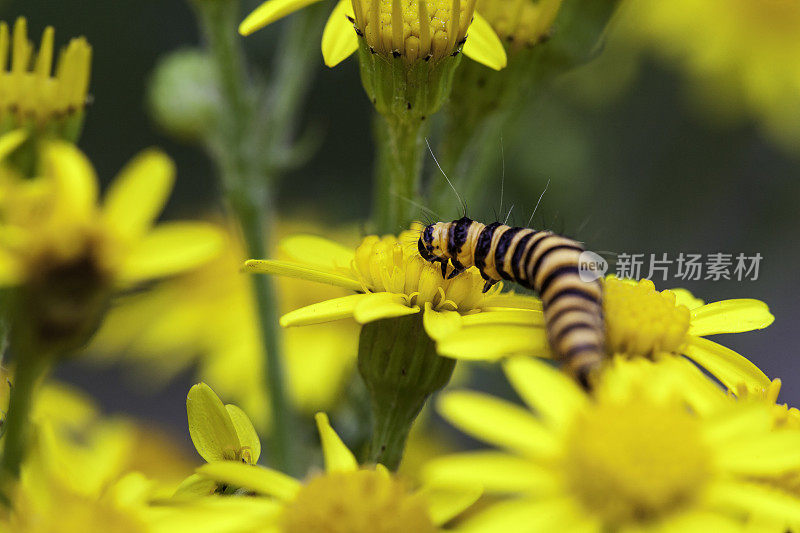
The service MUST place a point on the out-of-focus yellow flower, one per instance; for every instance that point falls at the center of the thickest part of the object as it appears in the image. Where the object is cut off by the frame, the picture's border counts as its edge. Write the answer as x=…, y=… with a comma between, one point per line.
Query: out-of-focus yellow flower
x=521, y=23
x=30, y=93
x=624, y=460
x=79, y=475
x=66, y=254
x=741, y=54
x=208, y=317
x=393, y=280
x=345, y=497
x=643, y=323
x=393, y=28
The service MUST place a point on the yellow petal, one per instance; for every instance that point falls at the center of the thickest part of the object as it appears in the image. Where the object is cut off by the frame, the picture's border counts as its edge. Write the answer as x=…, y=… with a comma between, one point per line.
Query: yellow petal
x=440, y=324
x=195, y=486
x=339, y=39
x=538, y=383
x=761, y=455
x=10, y=270
x=514, y=301
x=726, y=365
x=252, y=477
x=493, y=342
x=445, y=503
x=753, y=499
x=248, y=438
x=75, y=181
x=171, y=248
x=327, y=311
x=527, y=515
x=137, y=196
x=338, y=458
x=483, y=45
x=730, y=316
x=210, y=426
x=686, y=298
x=317, y=251
x=380, y=305
x=496, y=472
x=301, y=271
x=497, y=422
x=269, y=12
x=11, y=141
x=522, y=317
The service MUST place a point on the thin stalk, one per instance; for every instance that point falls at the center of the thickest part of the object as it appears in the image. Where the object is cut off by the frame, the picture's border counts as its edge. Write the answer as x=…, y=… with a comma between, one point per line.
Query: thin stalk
x=253, y=219
x=30, y=369
x=248, y=191
x=398, y=171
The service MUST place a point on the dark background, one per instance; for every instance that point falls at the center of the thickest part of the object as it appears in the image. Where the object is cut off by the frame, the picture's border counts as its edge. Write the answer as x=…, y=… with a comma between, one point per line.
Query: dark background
x=639, y=173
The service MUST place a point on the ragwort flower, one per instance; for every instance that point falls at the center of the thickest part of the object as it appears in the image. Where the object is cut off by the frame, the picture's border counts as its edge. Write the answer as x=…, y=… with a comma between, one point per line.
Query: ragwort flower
x=641, y=323
x=740, y=54
x=65, y=254
x=625, y=461
x=173, y=317
x=31, y=94
x=412, y=30
x=346, y=496
x=392, y=280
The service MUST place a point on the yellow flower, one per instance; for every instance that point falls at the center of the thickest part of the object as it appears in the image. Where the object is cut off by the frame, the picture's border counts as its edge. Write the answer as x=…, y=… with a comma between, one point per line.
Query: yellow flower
x=521, y=23
x=66, y=253
x=412, y=30
x=173, y=318
x=627, y=461
x=642, y=323
x=392, y=280
x=30, y=93
x=345, y=497
x=83, y=474
x=741, y=54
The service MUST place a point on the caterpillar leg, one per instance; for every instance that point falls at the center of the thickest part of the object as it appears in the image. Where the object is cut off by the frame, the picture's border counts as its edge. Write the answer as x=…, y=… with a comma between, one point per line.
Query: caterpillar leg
x=488, y=285
x=444, y=267
x=458, y=268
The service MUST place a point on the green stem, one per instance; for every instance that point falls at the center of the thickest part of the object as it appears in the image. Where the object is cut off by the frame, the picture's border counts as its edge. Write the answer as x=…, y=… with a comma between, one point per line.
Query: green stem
x=252, y=217
x=248, y=190
x=398, y=171
x=30, y=369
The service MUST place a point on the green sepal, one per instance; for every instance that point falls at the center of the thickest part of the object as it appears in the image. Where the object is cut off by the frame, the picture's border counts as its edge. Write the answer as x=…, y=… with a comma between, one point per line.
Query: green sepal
x=408, y=90
x=401, y=369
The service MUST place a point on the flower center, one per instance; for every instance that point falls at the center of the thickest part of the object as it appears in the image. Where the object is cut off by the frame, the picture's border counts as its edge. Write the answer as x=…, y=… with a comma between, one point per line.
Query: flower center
x=635, y=462
x=413, y=29
x=363, y=501
x=641, y=321
x=389, y=264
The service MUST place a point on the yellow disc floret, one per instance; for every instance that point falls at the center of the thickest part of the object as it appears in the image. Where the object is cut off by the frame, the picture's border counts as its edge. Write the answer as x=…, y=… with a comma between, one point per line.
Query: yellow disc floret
x=632, y=462
x=361, y=501
x=30, y=93
x=389, y=264
x=414, y=29
x=641, y=321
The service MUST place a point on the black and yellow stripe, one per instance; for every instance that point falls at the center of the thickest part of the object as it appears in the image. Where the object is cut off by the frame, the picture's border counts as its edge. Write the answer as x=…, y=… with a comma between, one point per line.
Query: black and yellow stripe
x=539, y=260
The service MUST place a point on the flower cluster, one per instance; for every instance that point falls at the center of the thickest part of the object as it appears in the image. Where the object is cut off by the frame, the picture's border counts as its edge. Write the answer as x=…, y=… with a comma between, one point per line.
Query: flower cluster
x=669, y=431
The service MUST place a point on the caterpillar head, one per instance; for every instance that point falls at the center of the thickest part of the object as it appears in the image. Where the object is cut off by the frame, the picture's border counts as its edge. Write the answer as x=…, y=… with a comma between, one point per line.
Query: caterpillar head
x=432, y=243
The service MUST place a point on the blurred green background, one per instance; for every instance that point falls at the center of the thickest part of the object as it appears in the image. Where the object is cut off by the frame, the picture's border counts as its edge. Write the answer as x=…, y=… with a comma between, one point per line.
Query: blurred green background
x=639, y=172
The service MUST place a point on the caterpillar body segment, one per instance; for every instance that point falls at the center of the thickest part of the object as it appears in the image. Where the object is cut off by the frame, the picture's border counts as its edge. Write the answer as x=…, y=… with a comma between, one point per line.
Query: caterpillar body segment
x=539, y=260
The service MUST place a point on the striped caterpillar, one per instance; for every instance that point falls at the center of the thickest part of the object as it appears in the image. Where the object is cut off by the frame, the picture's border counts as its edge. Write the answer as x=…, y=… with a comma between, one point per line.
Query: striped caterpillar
x=538, y=260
